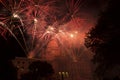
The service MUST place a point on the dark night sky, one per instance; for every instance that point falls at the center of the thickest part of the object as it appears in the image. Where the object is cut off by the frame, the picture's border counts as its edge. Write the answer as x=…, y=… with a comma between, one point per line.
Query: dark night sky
x=90, y=10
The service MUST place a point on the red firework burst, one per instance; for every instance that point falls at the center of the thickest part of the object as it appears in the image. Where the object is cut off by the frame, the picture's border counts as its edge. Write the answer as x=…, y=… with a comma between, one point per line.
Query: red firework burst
x=43, y=21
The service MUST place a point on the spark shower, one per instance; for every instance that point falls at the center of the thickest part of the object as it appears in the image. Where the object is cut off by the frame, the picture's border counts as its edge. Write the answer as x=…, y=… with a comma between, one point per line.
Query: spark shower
x=52, y=26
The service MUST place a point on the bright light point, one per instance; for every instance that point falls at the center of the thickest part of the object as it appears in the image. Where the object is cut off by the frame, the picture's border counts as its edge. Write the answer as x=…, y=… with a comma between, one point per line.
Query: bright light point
x=60, y=31
x=15, y=15
x=71, y=35
x=76, y=32
x=35, y=20
x=51, y=28
x=47, y=31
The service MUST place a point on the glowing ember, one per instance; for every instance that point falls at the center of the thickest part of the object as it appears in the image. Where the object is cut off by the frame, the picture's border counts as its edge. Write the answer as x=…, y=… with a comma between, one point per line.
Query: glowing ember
x=71, y=35
x=15, y=15
x=35, y=20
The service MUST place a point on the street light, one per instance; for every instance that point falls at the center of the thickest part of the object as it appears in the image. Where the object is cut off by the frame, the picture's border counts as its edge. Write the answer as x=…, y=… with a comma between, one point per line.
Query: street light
x=63, y=75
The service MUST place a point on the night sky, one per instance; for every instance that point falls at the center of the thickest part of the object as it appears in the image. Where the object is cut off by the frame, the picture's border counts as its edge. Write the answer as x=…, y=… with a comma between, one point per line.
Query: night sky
x=43, y=26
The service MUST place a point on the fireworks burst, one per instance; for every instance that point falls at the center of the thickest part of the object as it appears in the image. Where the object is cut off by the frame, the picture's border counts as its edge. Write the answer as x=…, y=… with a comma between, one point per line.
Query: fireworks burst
x=44, y=21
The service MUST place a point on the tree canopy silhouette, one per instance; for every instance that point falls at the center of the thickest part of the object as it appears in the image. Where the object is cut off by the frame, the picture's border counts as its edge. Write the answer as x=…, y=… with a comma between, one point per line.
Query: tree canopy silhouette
x=39, y=70
x=104, y=39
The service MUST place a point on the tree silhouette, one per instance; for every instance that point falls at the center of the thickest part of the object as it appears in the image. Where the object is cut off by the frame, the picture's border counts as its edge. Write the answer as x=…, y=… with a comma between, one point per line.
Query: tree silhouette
x=39, y=70
x=104, y=39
